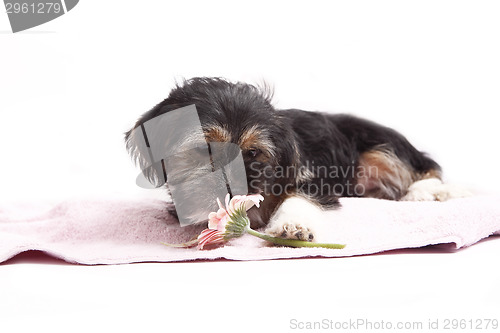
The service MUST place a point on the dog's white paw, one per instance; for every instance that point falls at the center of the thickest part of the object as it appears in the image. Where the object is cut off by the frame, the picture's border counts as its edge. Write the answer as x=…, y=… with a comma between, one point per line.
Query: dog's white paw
x=295, y=219
x=290, y=230
x=433, y=189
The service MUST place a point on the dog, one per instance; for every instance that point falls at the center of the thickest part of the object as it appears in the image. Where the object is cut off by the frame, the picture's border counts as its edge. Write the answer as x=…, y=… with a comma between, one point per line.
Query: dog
x=302, y=162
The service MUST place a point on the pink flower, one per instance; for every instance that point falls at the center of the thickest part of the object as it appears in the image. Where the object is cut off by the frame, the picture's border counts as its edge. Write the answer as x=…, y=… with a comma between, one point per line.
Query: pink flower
x=217, y=221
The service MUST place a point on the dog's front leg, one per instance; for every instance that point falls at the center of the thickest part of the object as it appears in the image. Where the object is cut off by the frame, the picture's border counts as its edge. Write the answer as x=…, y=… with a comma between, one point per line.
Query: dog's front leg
x=295, y=219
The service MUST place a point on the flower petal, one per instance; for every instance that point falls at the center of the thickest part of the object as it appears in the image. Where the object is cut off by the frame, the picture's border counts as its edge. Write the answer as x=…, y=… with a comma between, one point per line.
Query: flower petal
x=221, y=226
x=248, y=200
x=220, y=204
x=254, y=199
x=209, y=237
x=227, y=201
x=234, y=204
x=213, y=220
x=220, y=213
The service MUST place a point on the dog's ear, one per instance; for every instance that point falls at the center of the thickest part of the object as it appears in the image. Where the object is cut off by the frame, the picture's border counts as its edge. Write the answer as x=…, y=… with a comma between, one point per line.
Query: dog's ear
x=138, y=145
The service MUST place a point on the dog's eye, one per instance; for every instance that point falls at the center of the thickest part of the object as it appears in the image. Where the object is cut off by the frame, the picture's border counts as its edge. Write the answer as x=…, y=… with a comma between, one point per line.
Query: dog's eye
x=253, y=152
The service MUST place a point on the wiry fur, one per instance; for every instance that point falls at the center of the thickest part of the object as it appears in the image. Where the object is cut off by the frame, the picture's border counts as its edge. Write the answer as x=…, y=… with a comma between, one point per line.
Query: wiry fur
x=304, y=141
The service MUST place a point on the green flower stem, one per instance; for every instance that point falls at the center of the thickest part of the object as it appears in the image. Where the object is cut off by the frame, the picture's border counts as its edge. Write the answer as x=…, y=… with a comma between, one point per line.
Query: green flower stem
x=293, y=242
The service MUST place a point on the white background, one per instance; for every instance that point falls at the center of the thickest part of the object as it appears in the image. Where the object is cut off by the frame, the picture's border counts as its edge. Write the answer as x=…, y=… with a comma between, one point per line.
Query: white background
x=71, y=87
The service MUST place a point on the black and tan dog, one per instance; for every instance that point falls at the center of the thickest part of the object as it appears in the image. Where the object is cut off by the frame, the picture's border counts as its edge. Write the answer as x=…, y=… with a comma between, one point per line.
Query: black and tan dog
x=300, y=160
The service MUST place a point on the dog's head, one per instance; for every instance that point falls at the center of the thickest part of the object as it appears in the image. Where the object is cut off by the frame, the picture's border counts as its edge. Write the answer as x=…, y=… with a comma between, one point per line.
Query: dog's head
x=236, y=113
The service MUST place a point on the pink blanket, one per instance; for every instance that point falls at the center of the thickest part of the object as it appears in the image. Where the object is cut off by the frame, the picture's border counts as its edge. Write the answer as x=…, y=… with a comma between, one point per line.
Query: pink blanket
x=117, y=232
